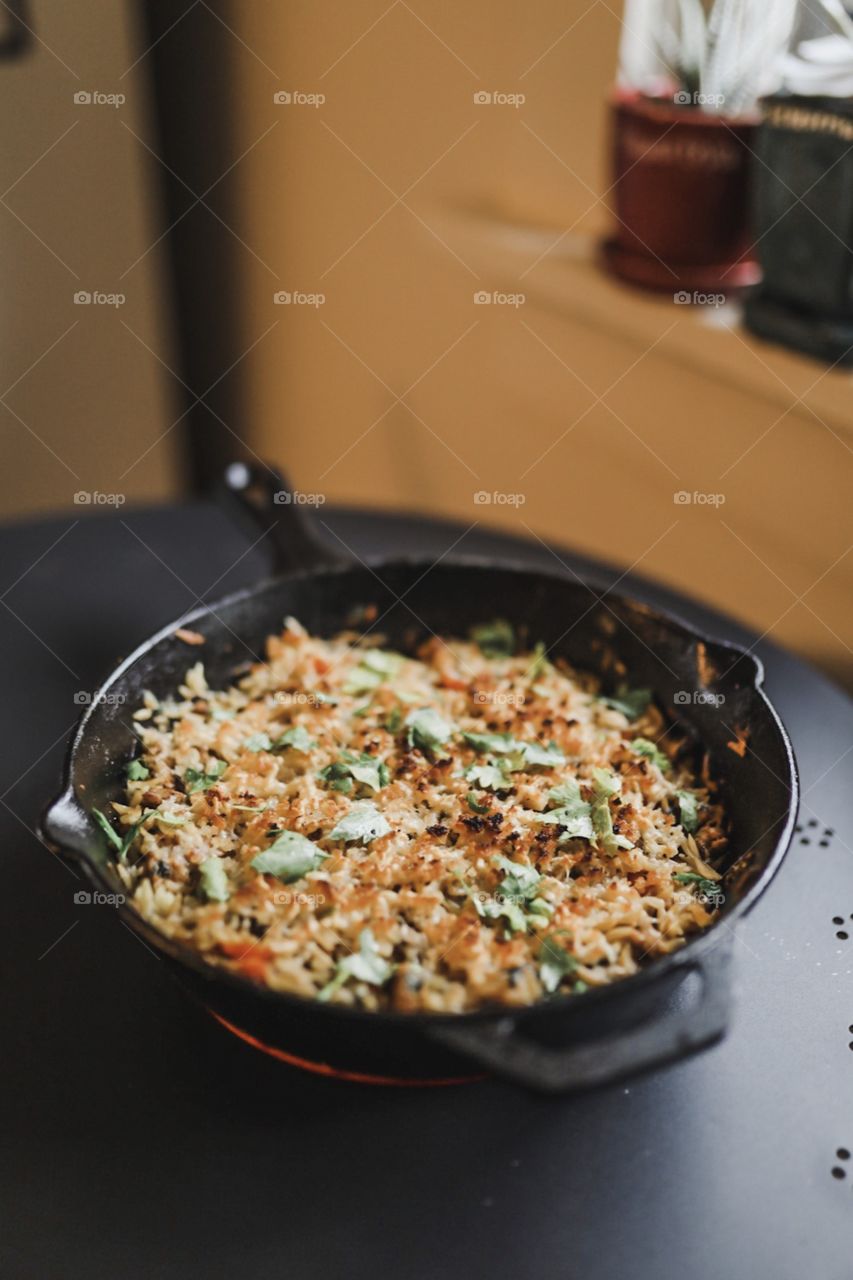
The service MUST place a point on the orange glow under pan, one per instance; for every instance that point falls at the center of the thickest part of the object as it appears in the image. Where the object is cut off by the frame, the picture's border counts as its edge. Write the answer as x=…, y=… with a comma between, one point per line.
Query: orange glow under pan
x=338, y=1073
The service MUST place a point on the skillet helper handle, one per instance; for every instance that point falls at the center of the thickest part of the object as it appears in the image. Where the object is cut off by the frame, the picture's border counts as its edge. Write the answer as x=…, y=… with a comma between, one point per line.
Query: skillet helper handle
x=503, y=1048
x=68, y=829
x=266, y=503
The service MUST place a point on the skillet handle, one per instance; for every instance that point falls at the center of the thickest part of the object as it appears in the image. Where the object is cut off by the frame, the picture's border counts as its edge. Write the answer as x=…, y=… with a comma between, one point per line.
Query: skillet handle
x=265, y=503
x=67, y=827
x=503, y=1048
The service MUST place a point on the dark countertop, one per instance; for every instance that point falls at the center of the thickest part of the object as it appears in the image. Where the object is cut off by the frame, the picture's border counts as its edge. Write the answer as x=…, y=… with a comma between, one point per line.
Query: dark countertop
x=143, y=1141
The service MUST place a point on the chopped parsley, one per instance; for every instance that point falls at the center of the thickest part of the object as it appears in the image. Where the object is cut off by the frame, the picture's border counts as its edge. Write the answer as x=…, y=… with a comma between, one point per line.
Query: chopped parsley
x=171, y=819
x=363, y=769
x=688, y=810
x=643, y=747
x=565, y=793
x=393, y=721
x=475, y=805
x=373, y=670
x=212, y=881
x=257, y=742
x=486, y=776
x=515, y=901
x=365, y=965
x=296, y=739
x=534, y=755
x=517, y=897
x=289, y=857
x=495, y=639
x=337, y=777
x=520, y=882
x=137, y=771
x=521, y=755
x=427, y=730
x=121, y=842
x=511, y=912
x=631, y=702
x=364, y=822
x=554, y=965
x=573, y=814
x=704, y=887
x=605, y=785
x=540, y=663
x=198, y=780
x=498, y=743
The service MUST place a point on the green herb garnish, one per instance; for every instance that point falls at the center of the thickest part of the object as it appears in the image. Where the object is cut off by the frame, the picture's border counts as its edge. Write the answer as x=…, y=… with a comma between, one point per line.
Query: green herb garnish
x=393, y=721
x=704, y=887
x=575, y=816
x=515, y=901
x=486, y=776
x=198, y=780
x=520, y=755
x=121, y=842
x=365, y=965
x=171, y=819
x=474, y=803
x=631, y=702
x=534, y=755
x=295, y=739
x=568, y=811
x=605, y=785
x=337, y=777
x=212, y=881
x=643, y=747
x=373, y=670
x=364, y=822
x=540, y=663
x=511, y=912
x=427, y=730
x=497, y=743
x=554, y=964
x=688, y=810
x=565, y=793
x=289, y=857
x=137, y=771
x=520, y=882
x=495, y=639
x=364, y=769
x=257, y=742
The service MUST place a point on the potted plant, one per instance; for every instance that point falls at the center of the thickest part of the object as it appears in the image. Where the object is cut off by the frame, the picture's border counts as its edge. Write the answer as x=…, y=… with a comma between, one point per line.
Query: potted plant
x=804, y=192
x=684, y=117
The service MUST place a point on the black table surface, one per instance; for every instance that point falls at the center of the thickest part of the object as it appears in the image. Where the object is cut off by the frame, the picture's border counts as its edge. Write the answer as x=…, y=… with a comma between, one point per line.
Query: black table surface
x=141, y=1140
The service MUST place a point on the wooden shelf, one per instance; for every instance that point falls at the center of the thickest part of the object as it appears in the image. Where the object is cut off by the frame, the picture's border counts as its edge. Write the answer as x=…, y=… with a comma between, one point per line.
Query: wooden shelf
x=563, y=276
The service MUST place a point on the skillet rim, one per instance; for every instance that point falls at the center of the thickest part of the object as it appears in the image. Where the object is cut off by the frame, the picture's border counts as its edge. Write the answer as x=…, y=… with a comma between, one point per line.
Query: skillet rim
x=686, y=957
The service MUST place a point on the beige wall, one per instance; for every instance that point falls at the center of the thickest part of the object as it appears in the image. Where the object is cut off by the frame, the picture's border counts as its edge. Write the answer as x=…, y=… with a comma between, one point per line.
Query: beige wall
x=84, y=401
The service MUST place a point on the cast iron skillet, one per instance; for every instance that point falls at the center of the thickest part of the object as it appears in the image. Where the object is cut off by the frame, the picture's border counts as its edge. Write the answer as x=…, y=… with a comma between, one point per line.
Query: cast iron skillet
x=561, y=1044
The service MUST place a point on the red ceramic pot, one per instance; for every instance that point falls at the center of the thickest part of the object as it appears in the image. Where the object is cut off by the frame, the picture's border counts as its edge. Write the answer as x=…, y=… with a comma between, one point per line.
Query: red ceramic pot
x=680, y=194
